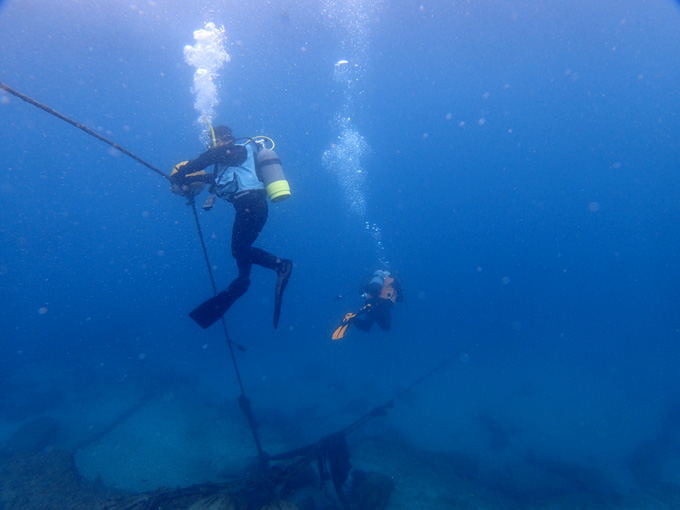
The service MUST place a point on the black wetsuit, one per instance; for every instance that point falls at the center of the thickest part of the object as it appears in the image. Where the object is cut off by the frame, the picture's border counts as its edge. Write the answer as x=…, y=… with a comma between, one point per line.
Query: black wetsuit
x=380, y=312
x=381, y=308
x=251, y=215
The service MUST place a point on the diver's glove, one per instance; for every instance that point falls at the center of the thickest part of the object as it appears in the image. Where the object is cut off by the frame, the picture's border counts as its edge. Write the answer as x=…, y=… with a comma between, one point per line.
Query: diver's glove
x=186, y=185
x=178, y=178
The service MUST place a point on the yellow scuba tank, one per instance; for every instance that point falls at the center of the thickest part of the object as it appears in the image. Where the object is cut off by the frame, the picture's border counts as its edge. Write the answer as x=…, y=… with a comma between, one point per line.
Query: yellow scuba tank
x=271, y=174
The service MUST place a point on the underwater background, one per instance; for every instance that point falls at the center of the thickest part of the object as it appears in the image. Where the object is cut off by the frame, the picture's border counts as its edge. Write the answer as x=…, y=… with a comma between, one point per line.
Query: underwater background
x=516, y=164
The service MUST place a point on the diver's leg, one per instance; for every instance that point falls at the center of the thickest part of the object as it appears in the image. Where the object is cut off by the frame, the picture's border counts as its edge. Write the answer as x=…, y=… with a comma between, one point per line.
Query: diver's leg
x=248, y=222
x=251, y=216
x=363, y=322
x=383, y=314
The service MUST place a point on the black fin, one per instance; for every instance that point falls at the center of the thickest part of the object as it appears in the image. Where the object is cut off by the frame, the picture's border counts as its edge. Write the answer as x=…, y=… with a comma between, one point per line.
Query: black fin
x=284, y=275
x=209, y=312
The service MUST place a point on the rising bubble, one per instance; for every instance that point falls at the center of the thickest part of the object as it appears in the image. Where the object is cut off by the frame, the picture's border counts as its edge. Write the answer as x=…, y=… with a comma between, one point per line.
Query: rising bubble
x=208, y=56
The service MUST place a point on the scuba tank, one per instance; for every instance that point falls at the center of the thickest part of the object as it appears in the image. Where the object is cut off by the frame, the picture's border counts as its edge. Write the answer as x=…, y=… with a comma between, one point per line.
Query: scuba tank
x=375, y=285
x=378, y=278
x=270, y=172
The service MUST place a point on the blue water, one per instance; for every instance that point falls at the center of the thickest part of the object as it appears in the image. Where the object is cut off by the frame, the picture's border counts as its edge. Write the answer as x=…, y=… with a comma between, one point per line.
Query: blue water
x=523, y=172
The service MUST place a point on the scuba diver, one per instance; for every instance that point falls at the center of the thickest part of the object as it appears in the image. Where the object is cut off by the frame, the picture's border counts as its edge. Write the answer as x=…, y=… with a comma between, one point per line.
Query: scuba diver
x=380, y=294
x=239, y=170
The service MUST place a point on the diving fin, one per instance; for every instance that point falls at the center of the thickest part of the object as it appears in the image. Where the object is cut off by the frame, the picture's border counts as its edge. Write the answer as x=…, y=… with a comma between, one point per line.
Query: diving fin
x=340, y=331
x=284, y=272
x=209, y=312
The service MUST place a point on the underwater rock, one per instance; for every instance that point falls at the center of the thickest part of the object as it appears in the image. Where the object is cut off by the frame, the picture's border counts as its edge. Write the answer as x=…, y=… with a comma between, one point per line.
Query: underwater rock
x=215, y=502
x=370, y=490
x=45, y=480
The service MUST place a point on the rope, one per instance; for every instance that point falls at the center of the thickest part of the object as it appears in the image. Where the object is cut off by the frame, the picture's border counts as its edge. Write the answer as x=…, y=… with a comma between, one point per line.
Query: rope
x=49, y=110
x=243, y=400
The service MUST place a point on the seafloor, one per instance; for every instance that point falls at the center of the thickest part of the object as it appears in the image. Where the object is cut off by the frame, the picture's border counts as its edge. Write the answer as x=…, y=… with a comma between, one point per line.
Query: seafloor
x=163, y=451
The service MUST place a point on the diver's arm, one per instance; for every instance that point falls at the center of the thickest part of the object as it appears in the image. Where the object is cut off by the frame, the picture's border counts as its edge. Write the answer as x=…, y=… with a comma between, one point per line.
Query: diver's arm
x=230, y=155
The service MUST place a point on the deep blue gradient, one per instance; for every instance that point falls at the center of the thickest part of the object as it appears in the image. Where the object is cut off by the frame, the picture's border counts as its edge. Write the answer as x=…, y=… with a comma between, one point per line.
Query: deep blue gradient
x=524, y=172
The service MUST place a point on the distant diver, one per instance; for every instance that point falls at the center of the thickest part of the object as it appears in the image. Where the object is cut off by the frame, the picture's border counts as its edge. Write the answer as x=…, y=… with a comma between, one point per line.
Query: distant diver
x=380, y=294
x=243, y=174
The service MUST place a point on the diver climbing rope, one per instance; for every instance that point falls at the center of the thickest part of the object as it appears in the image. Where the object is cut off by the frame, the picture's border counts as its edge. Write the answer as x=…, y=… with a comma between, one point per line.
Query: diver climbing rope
x=244, y=402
